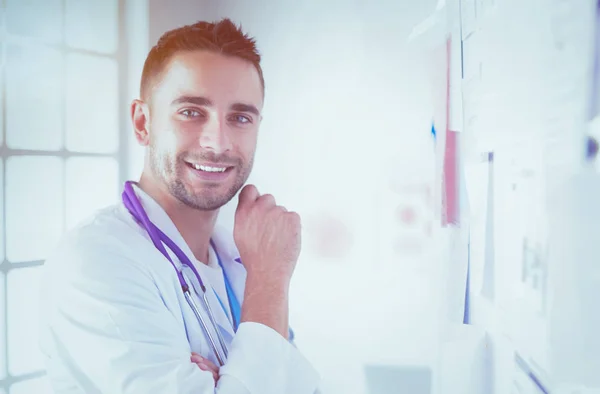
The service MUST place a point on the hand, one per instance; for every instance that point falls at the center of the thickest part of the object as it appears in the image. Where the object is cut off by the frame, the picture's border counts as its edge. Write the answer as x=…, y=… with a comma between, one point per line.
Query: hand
x=206, y=365
x=267, y=237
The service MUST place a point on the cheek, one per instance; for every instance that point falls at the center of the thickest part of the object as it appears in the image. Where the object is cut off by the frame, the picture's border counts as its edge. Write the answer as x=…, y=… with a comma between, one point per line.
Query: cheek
x=164, y=152
x=163, y=129
x=165, y=140
x=246, y=148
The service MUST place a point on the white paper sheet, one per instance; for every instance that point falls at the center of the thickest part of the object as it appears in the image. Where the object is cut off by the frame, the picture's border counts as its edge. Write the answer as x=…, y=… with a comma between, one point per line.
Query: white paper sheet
x=468, y=17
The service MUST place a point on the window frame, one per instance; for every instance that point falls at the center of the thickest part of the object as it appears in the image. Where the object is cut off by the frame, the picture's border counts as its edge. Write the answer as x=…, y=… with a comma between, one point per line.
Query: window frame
x=121, y=57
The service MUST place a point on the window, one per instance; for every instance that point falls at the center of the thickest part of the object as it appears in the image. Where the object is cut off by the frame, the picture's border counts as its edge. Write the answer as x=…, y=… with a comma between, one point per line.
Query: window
x=62, y=101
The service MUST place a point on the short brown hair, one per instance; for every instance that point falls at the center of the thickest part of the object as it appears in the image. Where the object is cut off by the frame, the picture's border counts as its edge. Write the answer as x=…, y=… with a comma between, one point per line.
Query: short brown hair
x=221, y=37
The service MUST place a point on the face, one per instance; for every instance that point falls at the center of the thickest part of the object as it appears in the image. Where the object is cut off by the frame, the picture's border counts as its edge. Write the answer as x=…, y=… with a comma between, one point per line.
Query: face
x=202, y=126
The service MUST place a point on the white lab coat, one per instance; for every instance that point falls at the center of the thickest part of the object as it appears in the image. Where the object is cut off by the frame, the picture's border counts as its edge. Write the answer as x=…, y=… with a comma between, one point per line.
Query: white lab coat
x=115, y=321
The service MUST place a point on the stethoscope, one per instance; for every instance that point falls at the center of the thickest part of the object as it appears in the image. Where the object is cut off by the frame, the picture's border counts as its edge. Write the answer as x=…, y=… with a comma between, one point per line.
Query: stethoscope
x=160, y=239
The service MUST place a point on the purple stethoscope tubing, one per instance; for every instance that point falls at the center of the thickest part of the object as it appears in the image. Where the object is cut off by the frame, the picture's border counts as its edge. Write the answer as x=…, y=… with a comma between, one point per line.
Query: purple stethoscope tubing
x=160, y=239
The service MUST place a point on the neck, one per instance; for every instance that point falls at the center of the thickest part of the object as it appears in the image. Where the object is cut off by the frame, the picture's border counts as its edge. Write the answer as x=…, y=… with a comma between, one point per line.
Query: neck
x=195, y=226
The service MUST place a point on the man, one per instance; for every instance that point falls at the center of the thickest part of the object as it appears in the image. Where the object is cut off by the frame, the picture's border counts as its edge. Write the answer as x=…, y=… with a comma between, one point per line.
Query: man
x=115, y=317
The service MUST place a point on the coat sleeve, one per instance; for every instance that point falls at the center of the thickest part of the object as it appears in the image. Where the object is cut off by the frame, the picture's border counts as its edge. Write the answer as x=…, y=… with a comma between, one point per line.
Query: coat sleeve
x=108, y=326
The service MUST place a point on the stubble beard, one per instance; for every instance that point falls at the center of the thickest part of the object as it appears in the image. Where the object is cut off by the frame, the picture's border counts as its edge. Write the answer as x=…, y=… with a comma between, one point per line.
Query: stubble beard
x=170, y=171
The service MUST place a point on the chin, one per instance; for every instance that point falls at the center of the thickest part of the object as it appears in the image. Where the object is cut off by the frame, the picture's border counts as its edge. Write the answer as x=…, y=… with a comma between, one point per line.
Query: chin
x=210, y=197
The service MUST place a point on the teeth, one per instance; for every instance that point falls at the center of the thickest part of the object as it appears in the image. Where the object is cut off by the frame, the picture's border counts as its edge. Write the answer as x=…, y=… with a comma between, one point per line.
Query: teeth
x=209, y=169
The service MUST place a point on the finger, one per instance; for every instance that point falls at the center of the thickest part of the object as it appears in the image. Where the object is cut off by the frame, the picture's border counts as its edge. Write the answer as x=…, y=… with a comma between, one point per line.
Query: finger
x=266, y=200
x=294, y=217
x=196, y=359
x=206, y=368
x=248, y=195
x=201, y=361
x=210, y=365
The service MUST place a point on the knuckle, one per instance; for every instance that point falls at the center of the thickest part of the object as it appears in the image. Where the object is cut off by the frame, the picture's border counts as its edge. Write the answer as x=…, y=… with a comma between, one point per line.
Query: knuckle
x=267, y=199
x=294, y=217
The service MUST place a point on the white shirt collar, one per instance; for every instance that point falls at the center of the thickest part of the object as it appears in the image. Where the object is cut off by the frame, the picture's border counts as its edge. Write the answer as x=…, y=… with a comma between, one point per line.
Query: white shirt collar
x=221, y=237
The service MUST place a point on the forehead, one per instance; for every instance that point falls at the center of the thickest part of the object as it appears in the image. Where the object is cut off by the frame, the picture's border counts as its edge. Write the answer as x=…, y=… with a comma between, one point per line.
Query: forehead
x=223, y=79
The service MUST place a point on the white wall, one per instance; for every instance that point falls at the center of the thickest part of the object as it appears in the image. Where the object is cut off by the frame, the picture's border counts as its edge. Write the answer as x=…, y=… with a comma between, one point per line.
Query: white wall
x=347, y=109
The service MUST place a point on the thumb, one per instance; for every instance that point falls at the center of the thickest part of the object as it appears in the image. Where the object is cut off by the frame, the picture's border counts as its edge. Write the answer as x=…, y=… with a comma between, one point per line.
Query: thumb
x=247, y=196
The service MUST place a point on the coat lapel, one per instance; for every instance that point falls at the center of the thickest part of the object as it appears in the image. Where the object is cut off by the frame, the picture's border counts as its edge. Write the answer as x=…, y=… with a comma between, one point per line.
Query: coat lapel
x=160, y=218
x=230, y=258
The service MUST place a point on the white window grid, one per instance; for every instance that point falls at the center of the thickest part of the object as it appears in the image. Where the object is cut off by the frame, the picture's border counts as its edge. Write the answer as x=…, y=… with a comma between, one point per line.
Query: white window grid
x=120, y=155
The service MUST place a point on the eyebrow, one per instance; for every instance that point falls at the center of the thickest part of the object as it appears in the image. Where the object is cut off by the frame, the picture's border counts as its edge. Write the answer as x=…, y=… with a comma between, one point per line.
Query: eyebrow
x=239, y=107
x=197, y=100
x=206, y=102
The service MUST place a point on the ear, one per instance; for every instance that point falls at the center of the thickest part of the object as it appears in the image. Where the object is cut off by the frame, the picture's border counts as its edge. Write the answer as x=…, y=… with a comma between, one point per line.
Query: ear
x=140, y=117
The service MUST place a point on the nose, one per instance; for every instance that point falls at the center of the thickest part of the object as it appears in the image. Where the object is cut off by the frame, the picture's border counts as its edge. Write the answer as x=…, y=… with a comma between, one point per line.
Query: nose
x=214, y=136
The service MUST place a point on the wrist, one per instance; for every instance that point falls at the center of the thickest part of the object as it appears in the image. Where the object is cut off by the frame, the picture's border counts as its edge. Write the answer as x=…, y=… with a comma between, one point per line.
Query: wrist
x=267, y=282
x=266, y=301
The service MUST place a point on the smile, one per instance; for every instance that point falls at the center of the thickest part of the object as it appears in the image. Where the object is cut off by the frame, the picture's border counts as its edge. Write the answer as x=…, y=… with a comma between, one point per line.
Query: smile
x=201, y=167
x=211, y=172
x=207, y=167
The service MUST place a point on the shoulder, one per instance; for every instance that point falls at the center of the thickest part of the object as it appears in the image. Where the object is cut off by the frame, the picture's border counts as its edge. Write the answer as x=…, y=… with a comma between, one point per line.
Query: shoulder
x=94, y=266
x=107, y=240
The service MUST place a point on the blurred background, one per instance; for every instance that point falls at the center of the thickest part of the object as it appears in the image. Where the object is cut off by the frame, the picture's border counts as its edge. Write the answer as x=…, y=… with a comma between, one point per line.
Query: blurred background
x=420, y=141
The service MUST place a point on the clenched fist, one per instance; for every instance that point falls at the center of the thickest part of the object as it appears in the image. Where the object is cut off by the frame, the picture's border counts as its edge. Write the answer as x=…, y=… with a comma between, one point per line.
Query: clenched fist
x=267, y=236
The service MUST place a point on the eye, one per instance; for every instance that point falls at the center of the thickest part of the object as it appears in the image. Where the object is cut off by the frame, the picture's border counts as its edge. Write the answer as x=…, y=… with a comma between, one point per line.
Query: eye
x=190, y=113
x=241, y=119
